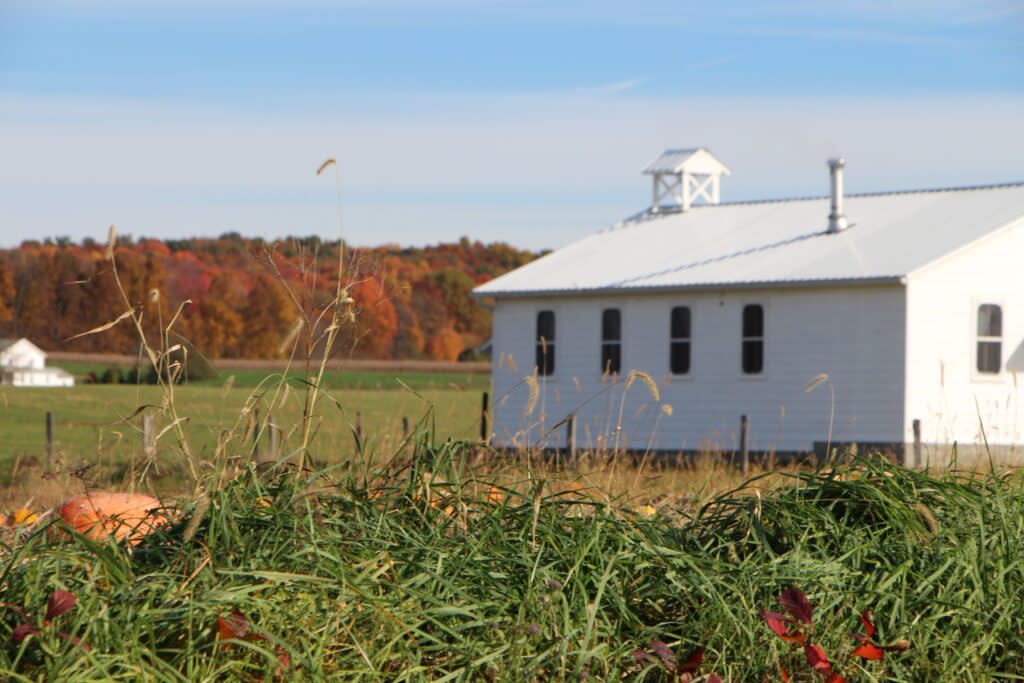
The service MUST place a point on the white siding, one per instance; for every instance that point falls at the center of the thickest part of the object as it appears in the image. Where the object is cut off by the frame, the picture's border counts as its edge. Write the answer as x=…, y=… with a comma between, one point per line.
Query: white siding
x=855, y=335
x=944, y=390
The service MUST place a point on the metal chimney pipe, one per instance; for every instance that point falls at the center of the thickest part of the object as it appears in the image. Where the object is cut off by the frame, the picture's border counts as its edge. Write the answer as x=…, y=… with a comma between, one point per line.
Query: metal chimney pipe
x=837, y=219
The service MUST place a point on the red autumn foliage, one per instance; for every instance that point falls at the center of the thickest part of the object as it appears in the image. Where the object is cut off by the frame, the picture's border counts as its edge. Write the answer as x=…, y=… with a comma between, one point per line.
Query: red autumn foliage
x=777, y=623
x=817, y=659
x=410, y=302
x=797, y=605
x=797, y=627
x=236, y=626
x=687, y=669
x=869, y=651
x=868, y=620
x=692, y=663
x=59, y=603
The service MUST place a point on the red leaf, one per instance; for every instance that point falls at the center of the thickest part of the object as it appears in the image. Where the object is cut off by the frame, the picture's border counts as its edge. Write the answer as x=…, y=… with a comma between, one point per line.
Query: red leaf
x=235, y=625
x=714, y=678
x=777, y=623
x=869, y=651
x=835, y=678
x=74, y=640
x=60, y=602
x=797, y=604
x=668, y=658
x=692, y=663
x=868, y=620
x=24, y=631
x=817, y=658
x=784, y=675
x=284, y=661
x=641, y=657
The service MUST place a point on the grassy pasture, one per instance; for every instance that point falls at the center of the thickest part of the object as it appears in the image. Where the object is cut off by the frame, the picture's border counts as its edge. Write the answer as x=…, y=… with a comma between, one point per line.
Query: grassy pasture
x=89, y=427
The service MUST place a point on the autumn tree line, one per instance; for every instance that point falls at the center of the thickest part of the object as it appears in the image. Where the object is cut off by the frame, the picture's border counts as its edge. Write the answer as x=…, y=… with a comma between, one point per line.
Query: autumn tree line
x=237, y=297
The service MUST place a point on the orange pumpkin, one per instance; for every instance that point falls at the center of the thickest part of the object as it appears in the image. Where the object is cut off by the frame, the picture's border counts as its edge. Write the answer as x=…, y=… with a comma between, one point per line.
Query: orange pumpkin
x=125, y=516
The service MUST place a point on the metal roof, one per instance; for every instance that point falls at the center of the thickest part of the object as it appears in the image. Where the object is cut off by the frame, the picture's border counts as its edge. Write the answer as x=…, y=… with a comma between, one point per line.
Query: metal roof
x=770, y=243
x=700, y=159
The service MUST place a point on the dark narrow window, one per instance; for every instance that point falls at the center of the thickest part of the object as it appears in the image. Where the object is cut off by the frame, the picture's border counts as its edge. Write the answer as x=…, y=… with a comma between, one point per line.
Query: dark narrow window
x=679, y=346
x=611, y=341
x=990, y=339
x=753, y=339
x=546, y=343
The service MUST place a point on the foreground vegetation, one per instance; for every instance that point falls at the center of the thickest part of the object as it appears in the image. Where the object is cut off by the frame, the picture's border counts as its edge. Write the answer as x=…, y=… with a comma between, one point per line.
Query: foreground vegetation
x=425, y=571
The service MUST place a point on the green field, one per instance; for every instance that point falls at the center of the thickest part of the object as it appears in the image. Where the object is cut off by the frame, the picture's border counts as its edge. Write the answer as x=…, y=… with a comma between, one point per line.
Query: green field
x=349, y=379
x=88, y=419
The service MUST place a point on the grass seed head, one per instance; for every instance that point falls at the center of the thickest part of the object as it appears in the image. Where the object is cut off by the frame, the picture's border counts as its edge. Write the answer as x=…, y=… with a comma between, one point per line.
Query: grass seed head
x=652, y=386
x=534, y=387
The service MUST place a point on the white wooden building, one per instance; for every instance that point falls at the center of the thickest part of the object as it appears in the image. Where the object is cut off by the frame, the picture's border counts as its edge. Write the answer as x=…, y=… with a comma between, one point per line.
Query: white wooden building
x=911, y=302
x=23, y=364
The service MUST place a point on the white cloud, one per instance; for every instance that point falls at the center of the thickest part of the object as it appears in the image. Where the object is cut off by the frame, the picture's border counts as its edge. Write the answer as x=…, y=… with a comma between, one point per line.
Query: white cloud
x=535, y=170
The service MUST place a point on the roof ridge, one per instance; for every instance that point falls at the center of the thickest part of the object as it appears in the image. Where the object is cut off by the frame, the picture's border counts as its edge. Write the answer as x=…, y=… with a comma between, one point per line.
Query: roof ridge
x=646, y=214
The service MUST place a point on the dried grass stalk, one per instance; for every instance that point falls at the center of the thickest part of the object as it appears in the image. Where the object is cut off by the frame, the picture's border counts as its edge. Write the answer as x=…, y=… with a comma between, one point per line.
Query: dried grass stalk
x=534, y=387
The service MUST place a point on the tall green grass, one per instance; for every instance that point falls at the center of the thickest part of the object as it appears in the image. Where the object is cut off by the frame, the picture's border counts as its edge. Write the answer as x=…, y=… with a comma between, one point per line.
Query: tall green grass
x=422, y=572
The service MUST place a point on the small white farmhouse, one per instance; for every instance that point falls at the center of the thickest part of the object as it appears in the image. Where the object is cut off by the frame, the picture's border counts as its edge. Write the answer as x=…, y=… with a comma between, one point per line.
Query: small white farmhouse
x=912, y=304
x=23, y=364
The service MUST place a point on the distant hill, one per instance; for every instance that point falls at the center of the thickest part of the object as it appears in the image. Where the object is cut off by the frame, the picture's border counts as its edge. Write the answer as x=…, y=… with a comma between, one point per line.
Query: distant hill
x=246, y=295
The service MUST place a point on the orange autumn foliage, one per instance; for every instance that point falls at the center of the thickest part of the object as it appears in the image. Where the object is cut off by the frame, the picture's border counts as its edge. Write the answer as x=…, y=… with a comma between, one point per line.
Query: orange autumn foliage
x=246, y=294
x=445, y=345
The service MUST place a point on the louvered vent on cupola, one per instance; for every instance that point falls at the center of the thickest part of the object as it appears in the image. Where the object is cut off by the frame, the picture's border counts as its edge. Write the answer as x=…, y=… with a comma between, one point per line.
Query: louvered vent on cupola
x=685, y=177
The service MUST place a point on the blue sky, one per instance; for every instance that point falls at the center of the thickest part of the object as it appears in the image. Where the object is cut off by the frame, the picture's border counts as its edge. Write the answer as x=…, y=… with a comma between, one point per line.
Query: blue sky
x=527, y=122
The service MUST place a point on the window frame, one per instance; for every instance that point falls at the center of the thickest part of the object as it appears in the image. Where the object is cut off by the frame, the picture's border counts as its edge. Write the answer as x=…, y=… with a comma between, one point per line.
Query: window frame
x=688, y=340
x=977, y=339
x=549, y=347
x=762, y=338
x=609, y=342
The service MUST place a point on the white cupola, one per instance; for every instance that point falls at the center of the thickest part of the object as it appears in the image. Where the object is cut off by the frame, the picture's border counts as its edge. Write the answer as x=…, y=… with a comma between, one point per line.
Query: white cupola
x=684, y=177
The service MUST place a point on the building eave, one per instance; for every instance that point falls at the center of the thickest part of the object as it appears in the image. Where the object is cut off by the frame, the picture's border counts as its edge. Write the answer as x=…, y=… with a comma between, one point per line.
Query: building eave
x=887, y=281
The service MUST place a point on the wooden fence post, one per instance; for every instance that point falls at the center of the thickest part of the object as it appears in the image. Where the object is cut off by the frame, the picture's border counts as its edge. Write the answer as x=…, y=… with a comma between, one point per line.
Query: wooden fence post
x=485, y=427
x=49, y=440
x=148, y=437
x=257, y=445
x=917, y=443
x=357, y=433
x=744, y=444
x=570, y=438
x=405, y=428
x=275, y=439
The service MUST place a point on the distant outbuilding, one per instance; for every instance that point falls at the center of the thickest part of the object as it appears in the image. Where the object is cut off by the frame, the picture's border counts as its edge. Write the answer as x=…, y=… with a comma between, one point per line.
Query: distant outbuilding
x=23, y=364
x=861, y=318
